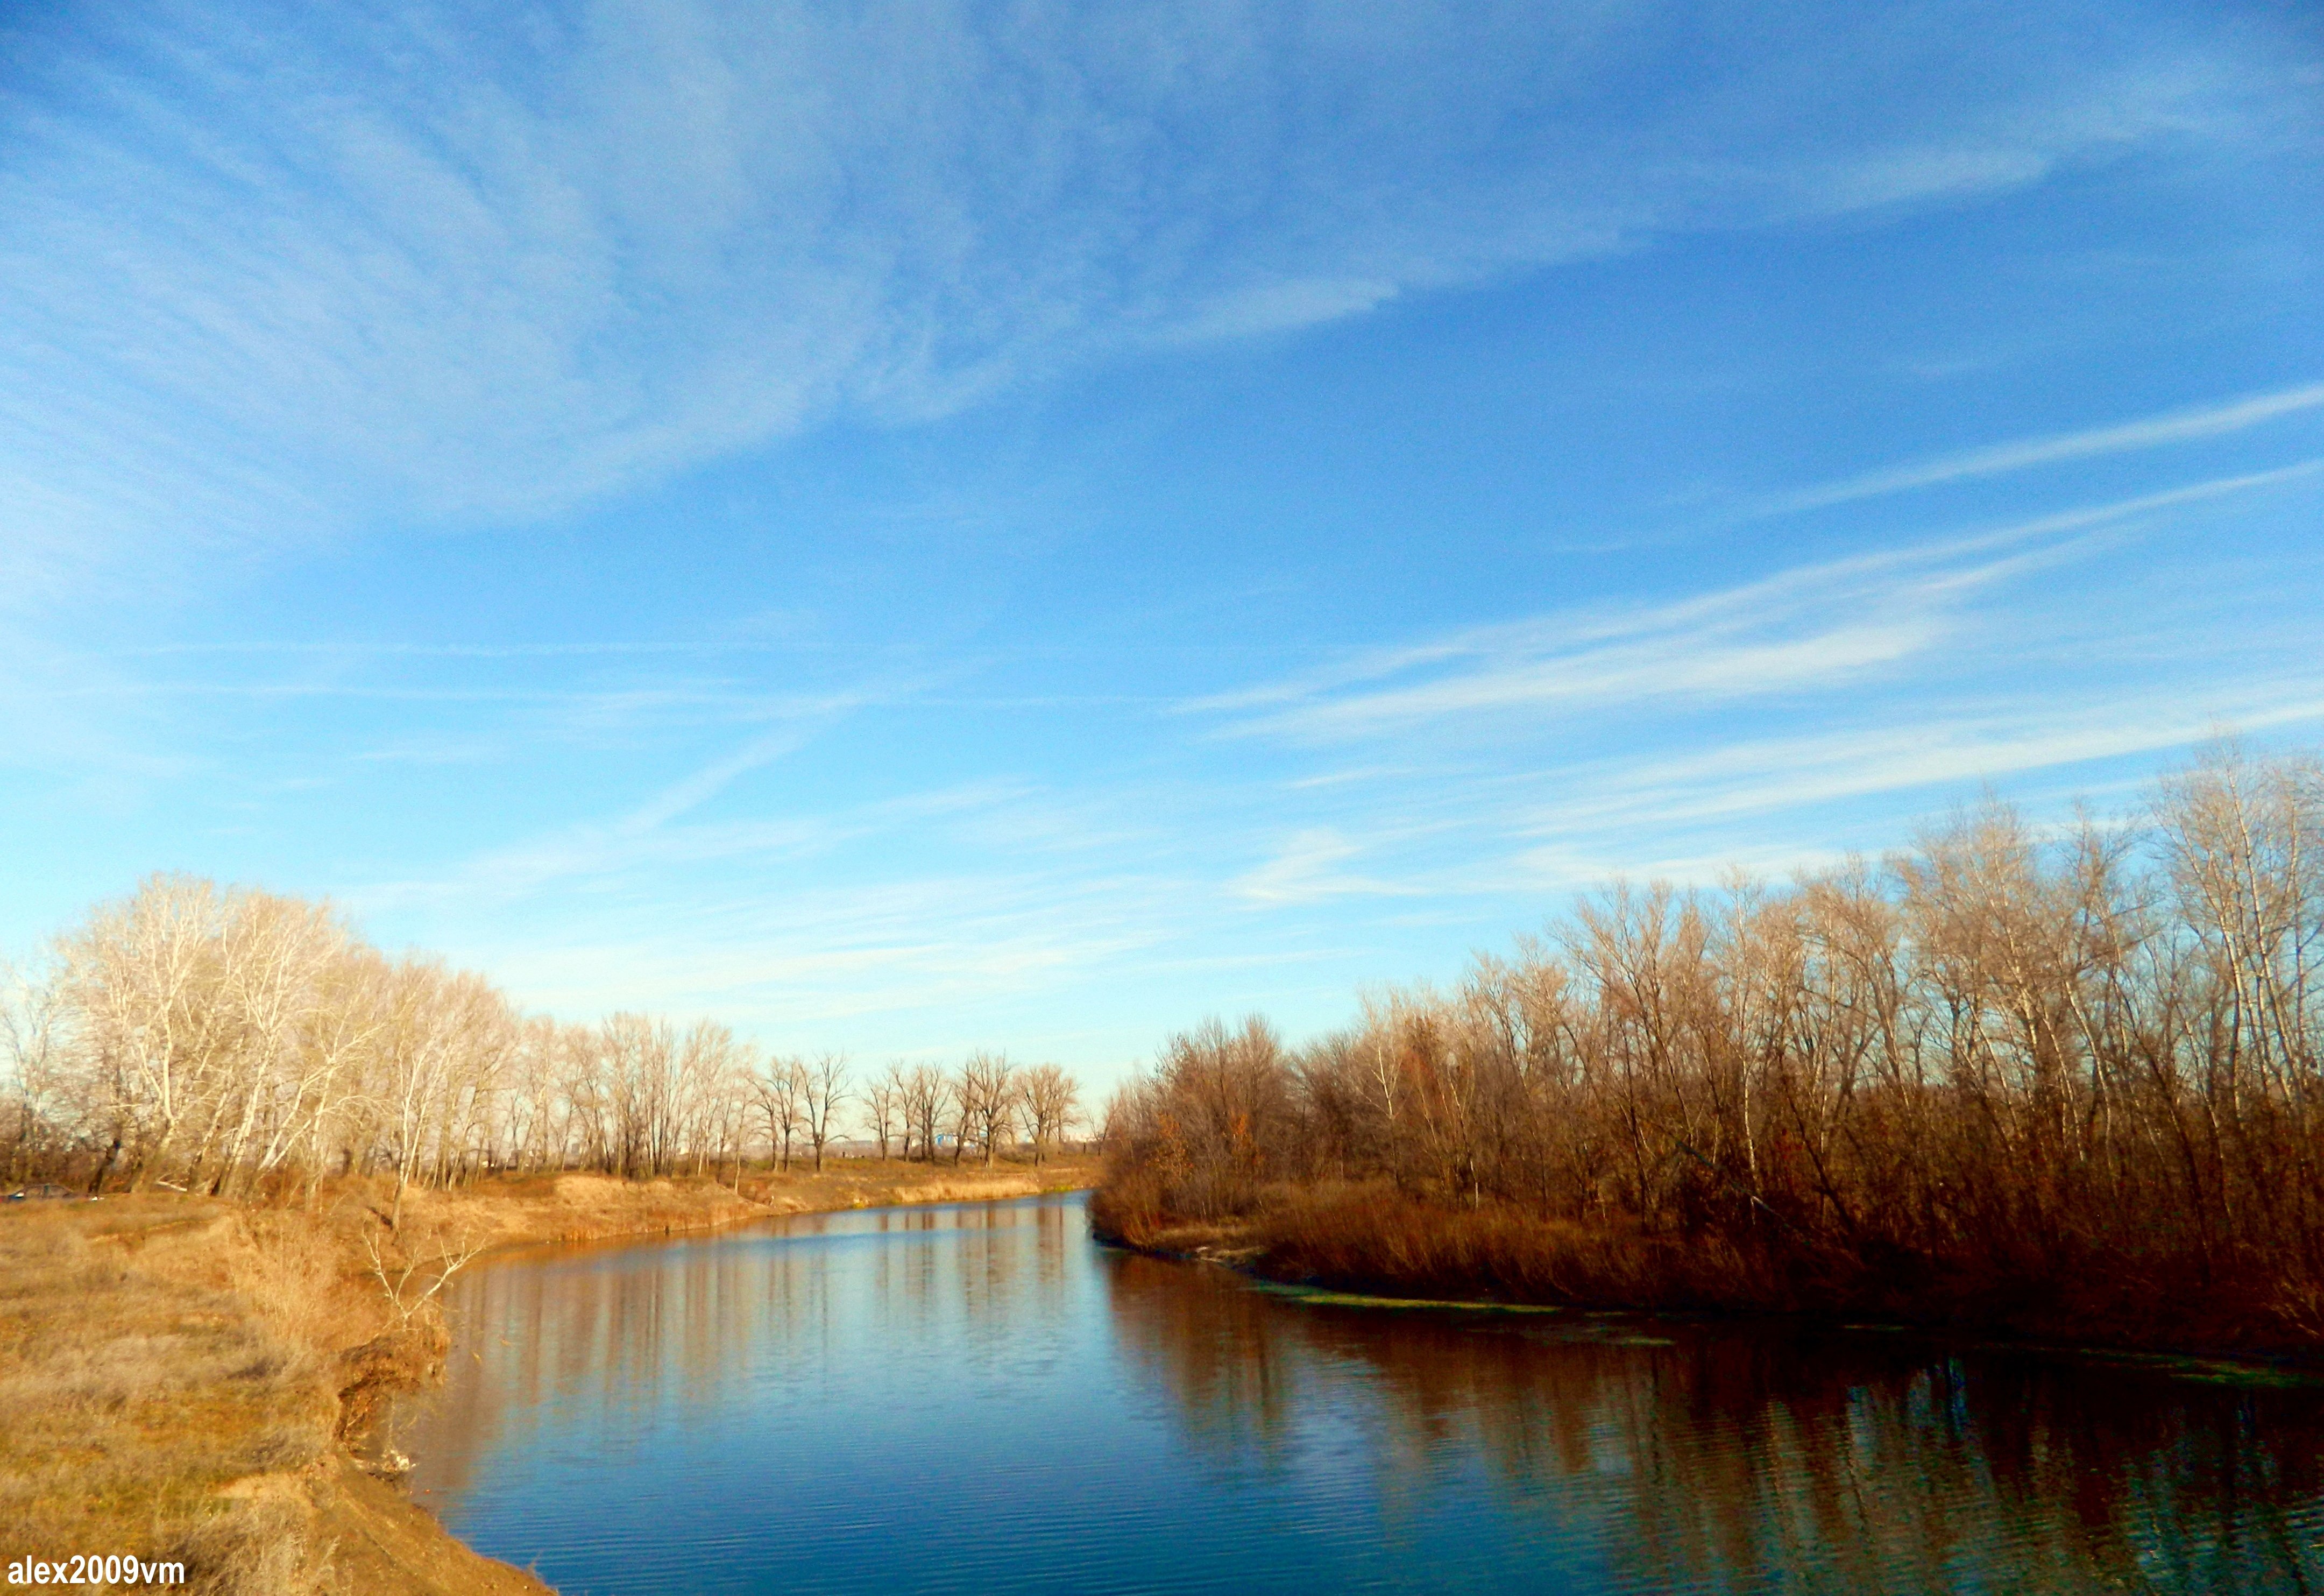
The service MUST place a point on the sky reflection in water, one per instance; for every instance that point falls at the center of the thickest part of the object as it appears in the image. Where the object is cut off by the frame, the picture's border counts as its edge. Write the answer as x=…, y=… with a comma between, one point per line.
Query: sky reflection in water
x=978, y=1398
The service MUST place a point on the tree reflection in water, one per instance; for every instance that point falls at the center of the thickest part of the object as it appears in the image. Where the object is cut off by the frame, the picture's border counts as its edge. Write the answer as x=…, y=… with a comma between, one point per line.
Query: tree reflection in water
x=977, y=1400
x=678, y=1328
x=1749, y=1456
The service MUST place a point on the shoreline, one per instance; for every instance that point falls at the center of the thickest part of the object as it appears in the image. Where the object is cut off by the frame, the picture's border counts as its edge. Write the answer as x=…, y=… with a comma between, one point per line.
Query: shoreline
x=2224, y=1367
x=1249, y=1247
x=220, y=1366
x=411, y=1541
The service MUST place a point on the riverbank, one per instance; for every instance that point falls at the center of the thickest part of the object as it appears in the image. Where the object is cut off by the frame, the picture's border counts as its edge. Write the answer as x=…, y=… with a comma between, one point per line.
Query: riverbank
x=184, y=1375
x=1367, y=1238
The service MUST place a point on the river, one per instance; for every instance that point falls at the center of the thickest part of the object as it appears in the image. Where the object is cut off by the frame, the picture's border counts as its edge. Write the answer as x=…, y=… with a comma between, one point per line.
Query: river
x=979, y=1398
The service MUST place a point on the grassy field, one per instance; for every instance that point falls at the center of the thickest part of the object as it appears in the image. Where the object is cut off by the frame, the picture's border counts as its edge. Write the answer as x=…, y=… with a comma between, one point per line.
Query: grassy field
x=182, y=1376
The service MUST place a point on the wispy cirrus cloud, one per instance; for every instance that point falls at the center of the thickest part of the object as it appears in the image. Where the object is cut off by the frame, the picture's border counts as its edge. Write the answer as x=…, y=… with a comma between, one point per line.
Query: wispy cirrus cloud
x=1762, y=804
x=287, y=274
x=896, y=953
x=648, y=835
x=1948, y=746
x=1813, y=628
x=1307, y=870
x=2181, y=426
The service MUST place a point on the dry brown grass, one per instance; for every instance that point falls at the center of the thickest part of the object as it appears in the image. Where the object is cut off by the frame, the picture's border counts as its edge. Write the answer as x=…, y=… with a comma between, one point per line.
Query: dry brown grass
x=168, y=1385
x=871, y=1182
x=515, y=1212
x=179, y=1372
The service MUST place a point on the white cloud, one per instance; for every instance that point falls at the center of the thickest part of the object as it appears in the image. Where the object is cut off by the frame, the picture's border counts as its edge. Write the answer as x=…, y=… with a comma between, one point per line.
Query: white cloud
x=2183, y=426
x=313, y=270
x=1304, y=871
x=1844, y=623
x=898, y=951
x=1283, y=306
x=647, y=837
x=1946, y=745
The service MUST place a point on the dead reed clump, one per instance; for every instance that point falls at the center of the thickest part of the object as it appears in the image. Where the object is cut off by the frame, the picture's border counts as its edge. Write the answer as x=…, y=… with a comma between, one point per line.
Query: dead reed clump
x=1371, y=1236
x=1128, y=1205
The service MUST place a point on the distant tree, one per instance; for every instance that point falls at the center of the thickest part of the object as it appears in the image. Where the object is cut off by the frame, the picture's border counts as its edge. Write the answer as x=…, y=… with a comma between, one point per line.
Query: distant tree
x=32, y=1046
x=960, y=1108
x=444, y=1036
x=883, y=1107
x=1051, y=1098
x=734, y=1111
x=640, y=1055
x=782, y=1093
x=925, y=1094
x=986, y=1092
x=823, y=1087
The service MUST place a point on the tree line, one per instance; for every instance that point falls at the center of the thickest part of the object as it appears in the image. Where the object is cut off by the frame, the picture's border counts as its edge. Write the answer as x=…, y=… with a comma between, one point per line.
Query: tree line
x=214, y=1039
x=2002, y=1059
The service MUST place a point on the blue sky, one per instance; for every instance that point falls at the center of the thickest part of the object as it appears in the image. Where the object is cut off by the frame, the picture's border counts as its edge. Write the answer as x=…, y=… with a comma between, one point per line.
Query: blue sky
x=910, y=528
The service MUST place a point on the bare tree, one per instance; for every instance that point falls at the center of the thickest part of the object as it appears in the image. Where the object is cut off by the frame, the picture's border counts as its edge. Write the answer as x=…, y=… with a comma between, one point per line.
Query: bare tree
x=276, y=953
x=985, y=1094
x=925, y=1096
x=883, y=1107
x=442, y=1030
x=822, y=1088
x=412, y=1269
x=32, y=1050
x=734, y=1114
x=639, y=1056
x=139, y=976
x=1051, y=1098
x=781, y=1093
x=323, y=1087
x=959, y=1104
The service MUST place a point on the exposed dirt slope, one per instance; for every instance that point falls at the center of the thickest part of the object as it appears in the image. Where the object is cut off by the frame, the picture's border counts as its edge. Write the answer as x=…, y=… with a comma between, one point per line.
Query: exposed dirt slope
x=384, y=1543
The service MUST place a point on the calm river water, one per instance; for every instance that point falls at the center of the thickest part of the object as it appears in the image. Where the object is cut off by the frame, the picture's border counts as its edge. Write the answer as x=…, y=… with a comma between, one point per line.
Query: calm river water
x=978, y=1398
